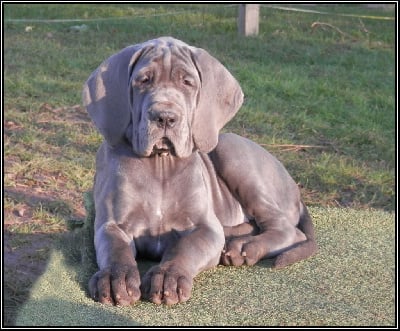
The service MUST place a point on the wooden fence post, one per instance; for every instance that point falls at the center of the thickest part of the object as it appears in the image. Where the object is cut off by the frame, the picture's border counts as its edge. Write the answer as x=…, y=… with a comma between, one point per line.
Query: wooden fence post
x=248, y=19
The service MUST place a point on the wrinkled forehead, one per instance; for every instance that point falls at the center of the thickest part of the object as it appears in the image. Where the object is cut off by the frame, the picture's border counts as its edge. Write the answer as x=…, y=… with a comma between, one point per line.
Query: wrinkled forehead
x=166, y=41
x=167, y=53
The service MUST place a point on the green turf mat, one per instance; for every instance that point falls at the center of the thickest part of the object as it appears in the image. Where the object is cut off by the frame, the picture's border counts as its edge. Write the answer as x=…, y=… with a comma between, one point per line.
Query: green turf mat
x=350, y=282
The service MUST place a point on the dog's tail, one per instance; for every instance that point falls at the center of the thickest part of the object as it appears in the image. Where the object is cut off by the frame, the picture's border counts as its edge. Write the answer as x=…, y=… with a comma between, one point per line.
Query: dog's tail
x=303, y=249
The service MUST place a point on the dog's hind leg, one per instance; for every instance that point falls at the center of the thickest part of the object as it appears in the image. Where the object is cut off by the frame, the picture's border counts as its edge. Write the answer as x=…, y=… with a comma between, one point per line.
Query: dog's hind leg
x=303, y=249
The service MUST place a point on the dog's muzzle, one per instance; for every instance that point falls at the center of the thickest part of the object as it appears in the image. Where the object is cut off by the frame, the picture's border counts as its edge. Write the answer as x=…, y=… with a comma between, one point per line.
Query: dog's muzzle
x=163, y=147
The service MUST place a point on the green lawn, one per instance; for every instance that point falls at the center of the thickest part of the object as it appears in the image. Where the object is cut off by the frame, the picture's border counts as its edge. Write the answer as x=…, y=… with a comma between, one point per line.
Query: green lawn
x=319, y=87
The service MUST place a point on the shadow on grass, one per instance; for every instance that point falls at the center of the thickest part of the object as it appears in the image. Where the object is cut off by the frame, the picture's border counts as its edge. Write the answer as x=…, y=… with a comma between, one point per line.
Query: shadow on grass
x=48, y=202
x=25, y=259
x=26, y=246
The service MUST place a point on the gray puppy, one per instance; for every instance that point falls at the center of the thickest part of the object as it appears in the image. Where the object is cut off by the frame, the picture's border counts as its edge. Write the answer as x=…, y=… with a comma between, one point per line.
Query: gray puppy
x=169, y=187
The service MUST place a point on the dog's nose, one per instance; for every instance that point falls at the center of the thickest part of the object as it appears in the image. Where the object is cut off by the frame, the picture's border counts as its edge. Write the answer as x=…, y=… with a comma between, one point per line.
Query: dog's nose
x=164, y=119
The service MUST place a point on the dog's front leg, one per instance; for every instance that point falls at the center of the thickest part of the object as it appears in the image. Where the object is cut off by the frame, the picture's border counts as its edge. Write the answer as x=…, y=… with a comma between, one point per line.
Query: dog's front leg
x=118, y=280
x=171, y=281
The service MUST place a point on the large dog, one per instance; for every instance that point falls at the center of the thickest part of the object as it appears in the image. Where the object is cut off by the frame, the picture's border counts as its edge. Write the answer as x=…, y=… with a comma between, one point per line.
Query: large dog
x=168, y=186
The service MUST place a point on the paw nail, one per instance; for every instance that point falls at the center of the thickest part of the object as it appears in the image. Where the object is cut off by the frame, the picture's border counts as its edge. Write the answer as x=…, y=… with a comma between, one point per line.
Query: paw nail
x=244, y=254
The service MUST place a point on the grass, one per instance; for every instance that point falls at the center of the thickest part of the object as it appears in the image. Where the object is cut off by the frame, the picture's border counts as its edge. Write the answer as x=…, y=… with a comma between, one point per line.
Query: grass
x=331, y=88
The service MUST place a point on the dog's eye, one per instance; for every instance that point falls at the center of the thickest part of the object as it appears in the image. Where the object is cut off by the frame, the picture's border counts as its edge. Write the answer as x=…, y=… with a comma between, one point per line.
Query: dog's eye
x=188, y=81
x=144, y=79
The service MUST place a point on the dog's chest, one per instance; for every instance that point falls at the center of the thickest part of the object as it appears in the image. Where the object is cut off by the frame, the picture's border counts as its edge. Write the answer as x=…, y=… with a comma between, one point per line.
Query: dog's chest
x=159, y=197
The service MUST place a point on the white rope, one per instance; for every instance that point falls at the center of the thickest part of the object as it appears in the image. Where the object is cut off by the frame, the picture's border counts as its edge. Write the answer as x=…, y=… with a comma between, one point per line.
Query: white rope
x=29, y=20
x=326, y=13
x=33, y=20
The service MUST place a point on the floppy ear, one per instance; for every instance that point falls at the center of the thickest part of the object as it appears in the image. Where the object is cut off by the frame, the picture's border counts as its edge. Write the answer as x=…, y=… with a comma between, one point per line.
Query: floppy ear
x=220, y=98
x=106, y=94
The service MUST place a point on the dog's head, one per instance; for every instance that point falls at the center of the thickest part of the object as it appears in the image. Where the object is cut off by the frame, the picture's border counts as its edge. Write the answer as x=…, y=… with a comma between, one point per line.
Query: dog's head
x=163, y=96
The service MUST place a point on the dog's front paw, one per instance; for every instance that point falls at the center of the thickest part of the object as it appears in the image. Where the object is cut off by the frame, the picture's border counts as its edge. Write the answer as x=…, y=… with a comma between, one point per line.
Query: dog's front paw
x=118, y=285
x=167, y=284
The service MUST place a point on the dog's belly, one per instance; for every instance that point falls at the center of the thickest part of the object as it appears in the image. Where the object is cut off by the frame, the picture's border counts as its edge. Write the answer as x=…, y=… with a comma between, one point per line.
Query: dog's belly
x=153, y=245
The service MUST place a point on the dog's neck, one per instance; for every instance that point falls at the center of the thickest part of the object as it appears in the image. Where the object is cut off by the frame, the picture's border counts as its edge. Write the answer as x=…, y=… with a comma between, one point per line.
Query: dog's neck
x=167, y=165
